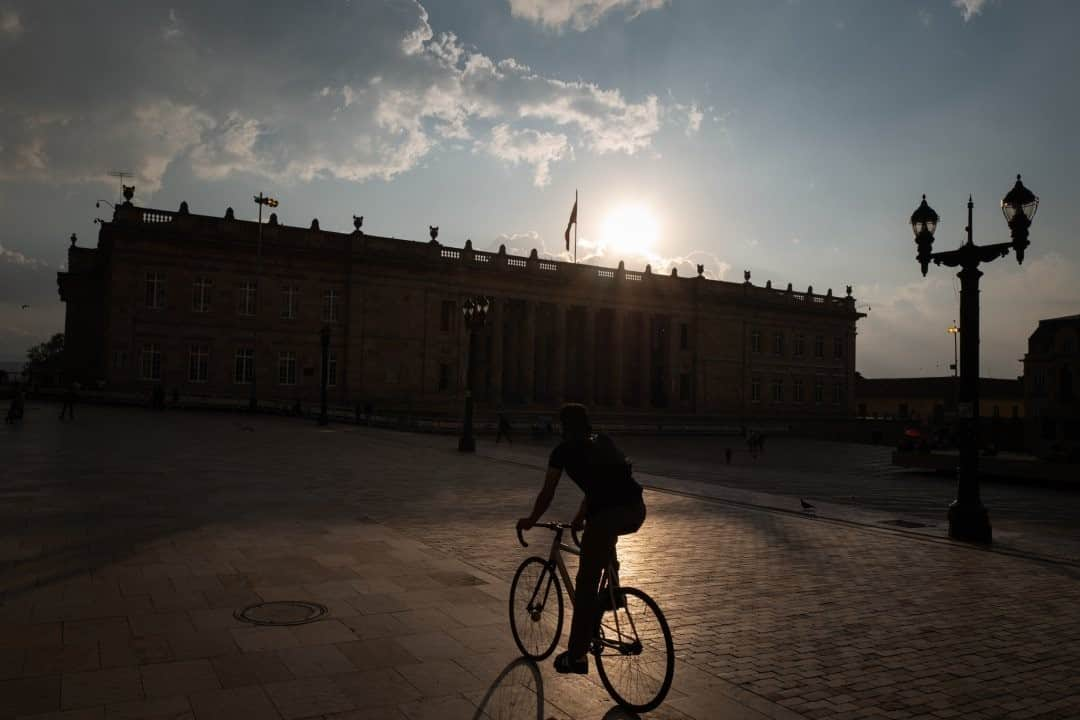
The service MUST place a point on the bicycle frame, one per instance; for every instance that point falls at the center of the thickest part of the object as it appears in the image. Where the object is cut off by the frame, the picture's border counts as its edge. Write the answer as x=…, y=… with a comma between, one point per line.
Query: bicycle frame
x=609, y=580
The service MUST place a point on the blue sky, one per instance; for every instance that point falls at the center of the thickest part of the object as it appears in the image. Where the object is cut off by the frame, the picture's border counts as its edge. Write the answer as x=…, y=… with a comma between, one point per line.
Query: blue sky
x=792, y=138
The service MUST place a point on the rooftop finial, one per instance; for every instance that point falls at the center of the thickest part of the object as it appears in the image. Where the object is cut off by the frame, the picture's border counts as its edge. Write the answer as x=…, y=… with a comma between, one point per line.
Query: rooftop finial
x=433, y=231
x=129, y=192
x=358, y=222
x=73, y=239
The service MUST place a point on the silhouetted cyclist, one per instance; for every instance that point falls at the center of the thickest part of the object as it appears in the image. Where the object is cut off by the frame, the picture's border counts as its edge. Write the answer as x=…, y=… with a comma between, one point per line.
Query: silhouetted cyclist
x=612, y=506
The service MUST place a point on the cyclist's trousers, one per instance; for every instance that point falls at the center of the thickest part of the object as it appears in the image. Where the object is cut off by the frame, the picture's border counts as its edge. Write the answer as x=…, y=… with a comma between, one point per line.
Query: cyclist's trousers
x=597, y=550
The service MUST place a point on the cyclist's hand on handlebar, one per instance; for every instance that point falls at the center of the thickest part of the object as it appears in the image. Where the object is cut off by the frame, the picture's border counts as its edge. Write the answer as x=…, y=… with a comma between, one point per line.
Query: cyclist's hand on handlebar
x=578, y=524
x=525, y=523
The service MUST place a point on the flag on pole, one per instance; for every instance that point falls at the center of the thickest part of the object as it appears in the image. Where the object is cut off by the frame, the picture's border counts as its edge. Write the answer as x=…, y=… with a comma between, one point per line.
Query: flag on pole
x=573, y=221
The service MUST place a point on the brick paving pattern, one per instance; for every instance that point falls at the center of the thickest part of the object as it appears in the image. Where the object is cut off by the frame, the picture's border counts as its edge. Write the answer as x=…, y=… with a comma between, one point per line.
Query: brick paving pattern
x=131, y=537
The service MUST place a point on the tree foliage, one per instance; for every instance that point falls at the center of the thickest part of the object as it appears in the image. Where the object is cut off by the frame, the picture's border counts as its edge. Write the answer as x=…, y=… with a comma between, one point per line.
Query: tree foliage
x=46, y=353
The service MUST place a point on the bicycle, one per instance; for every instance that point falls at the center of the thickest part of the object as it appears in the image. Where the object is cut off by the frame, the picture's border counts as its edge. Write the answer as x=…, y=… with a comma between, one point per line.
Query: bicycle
x=630, y=633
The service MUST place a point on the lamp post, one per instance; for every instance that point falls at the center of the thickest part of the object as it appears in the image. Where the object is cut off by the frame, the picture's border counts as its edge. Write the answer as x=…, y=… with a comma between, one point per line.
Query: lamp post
x=475, y=310
x=324, y=338
x=968, y=519
x=260, y=200
x=954, y=331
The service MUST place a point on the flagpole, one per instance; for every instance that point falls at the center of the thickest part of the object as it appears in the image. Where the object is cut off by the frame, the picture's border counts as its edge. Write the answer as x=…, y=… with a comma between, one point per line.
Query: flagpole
x=576, y=223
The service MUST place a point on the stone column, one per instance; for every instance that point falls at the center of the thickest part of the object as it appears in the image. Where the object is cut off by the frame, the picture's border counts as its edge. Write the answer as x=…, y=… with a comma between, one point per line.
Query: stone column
x=646, y=361
x=617, y=358
x=528, y=354
x=674, y=363
x=589, y=357
x=497, y=350
x=558, y=377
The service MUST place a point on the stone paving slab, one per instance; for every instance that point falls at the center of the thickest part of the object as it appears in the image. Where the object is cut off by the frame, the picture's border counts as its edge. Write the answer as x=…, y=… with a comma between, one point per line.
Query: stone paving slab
x=140, y=533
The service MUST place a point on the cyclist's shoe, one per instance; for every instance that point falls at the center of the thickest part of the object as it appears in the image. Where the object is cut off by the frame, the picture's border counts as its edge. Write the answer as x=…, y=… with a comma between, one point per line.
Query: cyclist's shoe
x=564, y=664
x=604, y=601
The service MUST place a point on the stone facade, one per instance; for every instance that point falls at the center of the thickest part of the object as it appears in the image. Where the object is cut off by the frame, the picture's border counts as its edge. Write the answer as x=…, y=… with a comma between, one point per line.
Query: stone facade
x=194, y=302
x=1051, y=391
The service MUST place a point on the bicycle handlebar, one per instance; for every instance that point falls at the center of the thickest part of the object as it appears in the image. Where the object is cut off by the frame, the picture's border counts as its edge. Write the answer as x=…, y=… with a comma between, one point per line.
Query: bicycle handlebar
x=551, y=526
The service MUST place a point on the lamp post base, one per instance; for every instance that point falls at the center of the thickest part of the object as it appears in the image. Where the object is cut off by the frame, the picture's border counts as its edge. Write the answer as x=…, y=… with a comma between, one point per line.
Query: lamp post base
x=970, y=523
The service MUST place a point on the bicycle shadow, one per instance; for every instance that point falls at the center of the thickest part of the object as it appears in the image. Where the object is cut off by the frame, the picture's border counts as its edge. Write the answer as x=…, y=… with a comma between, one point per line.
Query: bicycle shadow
x=518, y=694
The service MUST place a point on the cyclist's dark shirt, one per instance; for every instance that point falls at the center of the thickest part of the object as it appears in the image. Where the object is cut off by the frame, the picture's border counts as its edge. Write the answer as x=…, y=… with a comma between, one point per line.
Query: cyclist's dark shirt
x=600, y=470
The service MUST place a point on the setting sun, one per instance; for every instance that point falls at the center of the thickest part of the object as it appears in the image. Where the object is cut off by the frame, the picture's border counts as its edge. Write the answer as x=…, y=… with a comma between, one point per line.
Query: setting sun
x=631, y=230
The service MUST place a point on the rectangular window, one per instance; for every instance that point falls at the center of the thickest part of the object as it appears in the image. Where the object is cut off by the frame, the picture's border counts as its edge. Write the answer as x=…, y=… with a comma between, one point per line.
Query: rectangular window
x=446, y=318
x=444, y=376
x=200, y=295
x=800, y=344
x=331, y=369
x=755, y=390
x=684, y=386
x=289, y=296
x=778, y=343
x=796, y=391
x=838, y=347
x=684, y=336
x=819, y=391
x=155, y=290
x=778, y=390
x=198, y=363
x=151, y=361
x=330, y=306
x=819, y=346
x=286, y=368
x=244, y=373
x=755, y=341
x=838, y=393
x=246, y=300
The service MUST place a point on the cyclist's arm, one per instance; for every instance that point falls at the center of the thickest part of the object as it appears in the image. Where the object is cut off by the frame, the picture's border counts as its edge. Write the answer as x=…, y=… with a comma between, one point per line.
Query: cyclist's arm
x=543, y=500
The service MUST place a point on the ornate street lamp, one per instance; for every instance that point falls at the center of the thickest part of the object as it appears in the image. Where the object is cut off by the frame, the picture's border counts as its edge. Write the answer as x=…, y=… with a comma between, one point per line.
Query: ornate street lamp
x=968, y=519
x=324, y=340
x=475, y=310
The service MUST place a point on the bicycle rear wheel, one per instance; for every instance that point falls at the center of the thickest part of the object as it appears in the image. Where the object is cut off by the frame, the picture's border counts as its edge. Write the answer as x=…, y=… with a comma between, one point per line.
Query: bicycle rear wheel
x=536, y=608
x=635, y=655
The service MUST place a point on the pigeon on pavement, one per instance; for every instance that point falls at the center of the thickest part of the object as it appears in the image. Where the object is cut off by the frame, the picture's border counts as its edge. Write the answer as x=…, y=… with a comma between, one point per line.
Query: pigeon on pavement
x=806, y=506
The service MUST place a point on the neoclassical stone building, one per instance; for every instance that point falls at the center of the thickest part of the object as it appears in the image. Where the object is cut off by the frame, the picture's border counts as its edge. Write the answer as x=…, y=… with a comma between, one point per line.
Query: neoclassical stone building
x=198, y=304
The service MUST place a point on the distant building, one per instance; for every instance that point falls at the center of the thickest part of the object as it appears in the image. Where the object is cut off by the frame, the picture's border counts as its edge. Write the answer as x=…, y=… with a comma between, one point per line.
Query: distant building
x=933, y=399
x=181, y=300
x=1051, y=367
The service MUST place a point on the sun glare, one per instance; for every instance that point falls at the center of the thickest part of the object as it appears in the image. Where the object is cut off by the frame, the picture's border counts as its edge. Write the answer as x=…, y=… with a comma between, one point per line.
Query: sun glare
x=631, y=230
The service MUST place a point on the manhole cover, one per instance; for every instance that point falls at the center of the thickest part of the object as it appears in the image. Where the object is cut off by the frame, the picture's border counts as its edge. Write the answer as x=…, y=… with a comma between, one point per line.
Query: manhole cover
x=281, y=612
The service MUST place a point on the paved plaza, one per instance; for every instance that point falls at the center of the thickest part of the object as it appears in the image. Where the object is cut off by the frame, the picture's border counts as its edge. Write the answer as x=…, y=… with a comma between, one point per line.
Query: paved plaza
x=131, y=537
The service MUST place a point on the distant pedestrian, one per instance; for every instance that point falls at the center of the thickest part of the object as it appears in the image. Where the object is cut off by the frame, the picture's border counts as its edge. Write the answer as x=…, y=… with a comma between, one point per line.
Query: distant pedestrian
x=503, y=429
x=70, y=396
x=157, y=398
x=15, y=410
x=727, y=456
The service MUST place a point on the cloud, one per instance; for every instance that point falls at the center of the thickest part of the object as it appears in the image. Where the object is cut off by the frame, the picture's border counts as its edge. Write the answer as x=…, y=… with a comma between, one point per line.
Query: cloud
x=15, y=257
x=538, y=149
x=970, y=8
x=904, y=332
x=578, y=14
x=10, y=24
x=350, y=91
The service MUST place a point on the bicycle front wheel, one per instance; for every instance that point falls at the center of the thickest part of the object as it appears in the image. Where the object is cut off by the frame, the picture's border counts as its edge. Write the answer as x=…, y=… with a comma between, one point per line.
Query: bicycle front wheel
x=536, y=608
x=635, y=655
